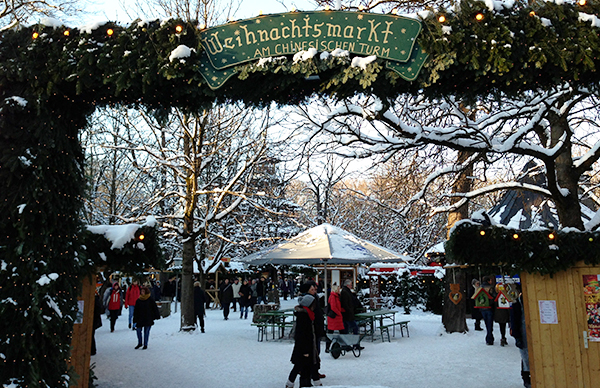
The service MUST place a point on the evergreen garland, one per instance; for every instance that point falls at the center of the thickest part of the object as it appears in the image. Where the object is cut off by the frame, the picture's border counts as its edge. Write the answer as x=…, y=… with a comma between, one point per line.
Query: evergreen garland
x=545, y=252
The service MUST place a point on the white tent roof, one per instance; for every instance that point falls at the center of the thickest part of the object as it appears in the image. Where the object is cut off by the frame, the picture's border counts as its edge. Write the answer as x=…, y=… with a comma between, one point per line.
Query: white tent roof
x=323, y=243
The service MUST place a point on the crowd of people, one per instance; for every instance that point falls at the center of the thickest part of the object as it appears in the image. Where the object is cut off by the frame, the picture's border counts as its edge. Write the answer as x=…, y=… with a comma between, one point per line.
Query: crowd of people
x=139, y=301
x=314, y=319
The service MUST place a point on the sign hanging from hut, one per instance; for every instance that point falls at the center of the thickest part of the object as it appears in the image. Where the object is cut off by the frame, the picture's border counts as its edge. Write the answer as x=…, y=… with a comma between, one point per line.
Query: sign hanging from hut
x=455, y=294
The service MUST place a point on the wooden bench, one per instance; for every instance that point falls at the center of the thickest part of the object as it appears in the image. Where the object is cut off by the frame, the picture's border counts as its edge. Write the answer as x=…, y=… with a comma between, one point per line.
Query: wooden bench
x=385, y=329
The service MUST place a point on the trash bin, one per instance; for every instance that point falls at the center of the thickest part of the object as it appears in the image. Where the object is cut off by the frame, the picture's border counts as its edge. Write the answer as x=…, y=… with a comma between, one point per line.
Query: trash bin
x=164, y=308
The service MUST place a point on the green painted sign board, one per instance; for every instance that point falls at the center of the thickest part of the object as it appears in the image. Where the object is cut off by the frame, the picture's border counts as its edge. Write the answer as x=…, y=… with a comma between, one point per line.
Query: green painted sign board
x=389, y=37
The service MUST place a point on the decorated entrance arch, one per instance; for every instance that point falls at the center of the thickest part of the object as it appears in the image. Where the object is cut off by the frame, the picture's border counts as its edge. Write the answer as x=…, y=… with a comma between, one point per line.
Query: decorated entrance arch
x=52, y=77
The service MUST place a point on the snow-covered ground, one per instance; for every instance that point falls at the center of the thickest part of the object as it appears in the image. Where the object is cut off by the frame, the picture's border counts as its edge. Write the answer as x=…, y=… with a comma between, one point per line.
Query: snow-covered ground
x=228, y=355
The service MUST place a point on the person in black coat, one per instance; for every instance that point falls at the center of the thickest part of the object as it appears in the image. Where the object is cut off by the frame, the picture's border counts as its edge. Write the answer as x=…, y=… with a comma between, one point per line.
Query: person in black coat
x=98, y=310
x=347, y=302
x=245, y=299
x=226, y=296
x=305, y=356
x=146, y=311
x=518, y=331
x=199, y=303
x=261, y=290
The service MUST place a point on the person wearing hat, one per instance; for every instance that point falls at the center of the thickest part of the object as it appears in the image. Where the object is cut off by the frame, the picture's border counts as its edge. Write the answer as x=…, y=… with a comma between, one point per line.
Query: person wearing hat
x=304, y=356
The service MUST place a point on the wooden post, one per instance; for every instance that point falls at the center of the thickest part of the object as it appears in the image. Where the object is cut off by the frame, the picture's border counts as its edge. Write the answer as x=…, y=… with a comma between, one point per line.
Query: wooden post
x=81, y=343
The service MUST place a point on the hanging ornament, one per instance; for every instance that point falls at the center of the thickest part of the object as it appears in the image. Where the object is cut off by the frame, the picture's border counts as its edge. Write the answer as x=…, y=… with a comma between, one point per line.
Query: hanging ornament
x=455, y=294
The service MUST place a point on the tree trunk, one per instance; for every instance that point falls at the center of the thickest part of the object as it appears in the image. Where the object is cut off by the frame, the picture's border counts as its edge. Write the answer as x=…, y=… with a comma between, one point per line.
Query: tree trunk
x=454, y=315
x=188, y=318
x=568, y=206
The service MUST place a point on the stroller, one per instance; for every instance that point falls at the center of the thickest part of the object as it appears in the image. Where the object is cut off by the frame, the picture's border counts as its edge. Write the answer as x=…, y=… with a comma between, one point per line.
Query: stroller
x=342, y=343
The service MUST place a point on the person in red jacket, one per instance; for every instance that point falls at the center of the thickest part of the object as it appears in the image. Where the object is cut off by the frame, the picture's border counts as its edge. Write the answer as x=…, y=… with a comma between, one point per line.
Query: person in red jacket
x=132, y=295
x=115, y=302
x=334, y=313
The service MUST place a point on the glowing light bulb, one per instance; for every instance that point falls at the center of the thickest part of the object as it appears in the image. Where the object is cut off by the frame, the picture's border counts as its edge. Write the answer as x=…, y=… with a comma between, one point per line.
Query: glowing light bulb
x=394, y=11
x=326, y=8
x=551, y=236
x=361, y=7
x=479, y=17
x=141, y=237
x=66, y=33
x=179, y=29
x=532, y=13
x=35, y=35
x=482, y=232
x=110, y=32
x=260, y=12
x=516, y=236
x=582, y=2
x=442, y=19
x=202, y=26
x=293, y=9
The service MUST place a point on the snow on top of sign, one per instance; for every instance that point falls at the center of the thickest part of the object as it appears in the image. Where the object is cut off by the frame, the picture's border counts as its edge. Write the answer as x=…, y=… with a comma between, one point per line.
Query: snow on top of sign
x=182, y=51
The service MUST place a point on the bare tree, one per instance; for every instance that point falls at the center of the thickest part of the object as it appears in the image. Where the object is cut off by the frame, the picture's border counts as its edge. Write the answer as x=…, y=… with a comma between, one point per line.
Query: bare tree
x=16, y=12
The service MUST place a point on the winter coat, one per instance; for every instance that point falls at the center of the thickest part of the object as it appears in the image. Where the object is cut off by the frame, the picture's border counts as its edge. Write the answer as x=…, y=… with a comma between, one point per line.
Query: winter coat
x=98, y=310
x=106, y=297
x=517, y=323
x=501, y=315
x=305, y=341
x=245, y=295
x=254, y=289
x=226, y=294
x=132, y=295
x=236, y=289
x=283, y=285
x=199, y=301
x=115, y=301
x=347, y=303
x=336, y=323
x=319, y=319
x=261, y=288
x=146, y=311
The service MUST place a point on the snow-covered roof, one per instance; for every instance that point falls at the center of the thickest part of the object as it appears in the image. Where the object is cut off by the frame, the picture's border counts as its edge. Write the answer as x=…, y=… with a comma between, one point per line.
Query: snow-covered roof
x=522, y=209
x=324, y=243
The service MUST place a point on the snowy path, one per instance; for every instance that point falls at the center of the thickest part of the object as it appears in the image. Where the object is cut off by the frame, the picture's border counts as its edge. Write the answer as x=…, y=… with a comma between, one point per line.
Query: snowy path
x=229, y=356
